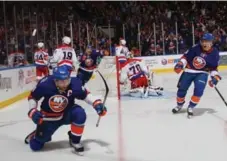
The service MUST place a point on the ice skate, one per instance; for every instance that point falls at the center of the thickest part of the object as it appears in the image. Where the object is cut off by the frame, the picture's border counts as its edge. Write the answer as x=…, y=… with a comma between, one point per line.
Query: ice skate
x=79, y=148
x=29, y=136
x=176, y=109
x=190, y=112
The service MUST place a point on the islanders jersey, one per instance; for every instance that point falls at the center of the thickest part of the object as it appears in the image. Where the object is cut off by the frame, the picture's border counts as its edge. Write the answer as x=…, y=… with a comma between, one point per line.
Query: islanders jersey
x=54, y=103
x=196, y=60
x=90, y=62
x=41, y=58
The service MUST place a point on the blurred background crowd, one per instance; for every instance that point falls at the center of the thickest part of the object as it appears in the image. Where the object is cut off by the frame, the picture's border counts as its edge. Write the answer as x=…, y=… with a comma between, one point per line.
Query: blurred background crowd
x=149, y=28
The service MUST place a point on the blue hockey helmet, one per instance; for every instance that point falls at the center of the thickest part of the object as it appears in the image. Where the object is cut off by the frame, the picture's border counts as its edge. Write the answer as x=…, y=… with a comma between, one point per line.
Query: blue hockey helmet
x=61, y=73
x=207, y=37
x=207, y=41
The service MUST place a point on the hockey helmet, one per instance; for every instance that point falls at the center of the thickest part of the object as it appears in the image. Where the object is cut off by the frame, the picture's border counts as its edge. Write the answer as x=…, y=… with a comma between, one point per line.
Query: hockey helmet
x=40, y=45
x=122, y=42
x=66, y=40
x=208, y=37
x=61, y=73
x=207, y=41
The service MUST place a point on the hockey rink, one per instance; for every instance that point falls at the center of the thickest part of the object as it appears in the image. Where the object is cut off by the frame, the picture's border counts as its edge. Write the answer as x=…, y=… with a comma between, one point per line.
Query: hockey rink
x=133, y=130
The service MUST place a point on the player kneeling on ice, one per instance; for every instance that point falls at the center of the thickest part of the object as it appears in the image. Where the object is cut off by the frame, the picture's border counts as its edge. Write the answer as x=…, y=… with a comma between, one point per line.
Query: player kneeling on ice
x=57, y=108
x=136, y=71
x=197, y=62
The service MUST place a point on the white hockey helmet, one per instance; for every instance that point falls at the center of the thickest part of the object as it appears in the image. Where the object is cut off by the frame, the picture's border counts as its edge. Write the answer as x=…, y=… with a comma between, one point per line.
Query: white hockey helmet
x=40, y=45
x=122, y=42
x=66, y=40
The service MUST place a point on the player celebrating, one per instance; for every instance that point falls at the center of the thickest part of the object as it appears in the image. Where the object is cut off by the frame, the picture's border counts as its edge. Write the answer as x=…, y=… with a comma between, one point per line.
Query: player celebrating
x=41, y=61
x=88, y=62
x=57, y=108
x=137, y=72
x=122, y=52
x=65, y=55
x=198, y=62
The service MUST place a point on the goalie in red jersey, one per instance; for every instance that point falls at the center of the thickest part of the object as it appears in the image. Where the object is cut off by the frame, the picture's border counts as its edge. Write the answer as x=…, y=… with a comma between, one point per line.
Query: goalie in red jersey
x=135, y=71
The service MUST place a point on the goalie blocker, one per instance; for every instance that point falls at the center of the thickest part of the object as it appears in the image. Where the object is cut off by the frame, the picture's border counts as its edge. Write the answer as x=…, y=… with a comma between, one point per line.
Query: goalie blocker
x=135, y=72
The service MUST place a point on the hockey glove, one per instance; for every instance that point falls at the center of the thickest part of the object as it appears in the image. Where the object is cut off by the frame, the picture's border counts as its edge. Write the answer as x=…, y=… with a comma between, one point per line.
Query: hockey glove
x=214, y=80
x=178, y=67
x=36, y=116
x=99, y=107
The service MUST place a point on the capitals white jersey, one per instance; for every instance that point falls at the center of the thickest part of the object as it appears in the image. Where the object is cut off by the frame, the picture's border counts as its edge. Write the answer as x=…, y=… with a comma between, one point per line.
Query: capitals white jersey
x=41, y=58
x=65, y=55
x=122, y=52
x=133, y=69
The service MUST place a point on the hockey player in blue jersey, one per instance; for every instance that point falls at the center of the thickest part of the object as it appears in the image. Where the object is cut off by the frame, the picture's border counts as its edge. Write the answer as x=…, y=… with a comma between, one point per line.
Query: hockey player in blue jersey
x=58, y=108
x=88, y=63
x=198, y=62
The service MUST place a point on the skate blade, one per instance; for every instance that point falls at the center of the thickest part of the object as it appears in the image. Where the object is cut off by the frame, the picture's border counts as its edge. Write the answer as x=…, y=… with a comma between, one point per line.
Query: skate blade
x=78, y=153
x=189, y=116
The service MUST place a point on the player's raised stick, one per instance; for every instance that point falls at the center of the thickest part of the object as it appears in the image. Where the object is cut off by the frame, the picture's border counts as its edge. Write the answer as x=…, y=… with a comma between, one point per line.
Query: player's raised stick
x=105, y=97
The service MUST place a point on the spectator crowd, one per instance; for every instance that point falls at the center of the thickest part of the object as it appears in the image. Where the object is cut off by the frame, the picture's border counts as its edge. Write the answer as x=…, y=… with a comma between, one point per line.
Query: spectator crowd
x=150, y=28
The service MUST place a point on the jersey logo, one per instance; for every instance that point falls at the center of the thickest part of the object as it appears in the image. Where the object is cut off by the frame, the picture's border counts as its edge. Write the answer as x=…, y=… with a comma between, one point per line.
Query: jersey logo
x=58, y=103
x=199, y=62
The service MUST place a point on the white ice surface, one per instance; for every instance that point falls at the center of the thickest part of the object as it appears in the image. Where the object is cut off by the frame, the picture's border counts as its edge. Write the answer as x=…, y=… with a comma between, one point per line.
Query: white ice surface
x=149, y=131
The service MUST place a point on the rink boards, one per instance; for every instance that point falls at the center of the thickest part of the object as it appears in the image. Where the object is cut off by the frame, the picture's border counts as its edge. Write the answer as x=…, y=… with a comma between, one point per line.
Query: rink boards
x=16, y=83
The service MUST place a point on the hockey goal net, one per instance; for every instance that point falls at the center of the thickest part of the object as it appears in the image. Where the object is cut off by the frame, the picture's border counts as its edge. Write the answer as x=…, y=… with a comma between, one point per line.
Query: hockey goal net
x=109, y=68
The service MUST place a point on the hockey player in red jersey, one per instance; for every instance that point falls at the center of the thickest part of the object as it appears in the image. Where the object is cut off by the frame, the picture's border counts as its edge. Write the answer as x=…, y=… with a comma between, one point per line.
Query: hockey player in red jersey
x=41, y=61
x=59, y=93
x=122, y=52
x=65, y=55
x=139, y=76
x=198, y=62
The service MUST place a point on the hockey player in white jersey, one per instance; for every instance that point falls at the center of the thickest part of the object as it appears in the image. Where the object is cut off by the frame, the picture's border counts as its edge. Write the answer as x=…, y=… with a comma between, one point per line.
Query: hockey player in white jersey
x=65, y=55
x=41, y=61
x=122, y=52
x=140, y=79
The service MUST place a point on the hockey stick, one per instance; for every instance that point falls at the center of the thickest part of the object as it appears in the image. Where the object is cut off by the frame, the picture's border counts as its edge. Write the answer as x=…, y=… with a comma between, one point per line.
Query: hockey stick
x=221, y=96
x=105, y=97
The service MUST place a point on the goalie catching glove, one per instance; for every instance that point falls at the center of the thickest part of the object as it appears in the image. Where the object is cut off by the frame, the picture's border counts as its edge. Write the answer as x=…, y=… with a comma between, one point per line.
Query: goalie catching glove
x=100, y=108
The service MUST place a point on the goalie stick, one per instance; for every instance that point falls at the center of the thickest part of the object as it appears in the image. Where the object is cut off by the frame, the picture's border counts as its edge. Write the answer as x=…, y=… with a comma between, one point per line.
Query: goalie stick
x=105, y=97
x=220, y=96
